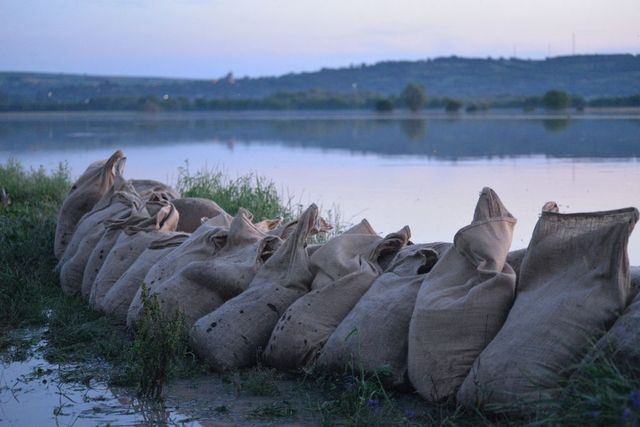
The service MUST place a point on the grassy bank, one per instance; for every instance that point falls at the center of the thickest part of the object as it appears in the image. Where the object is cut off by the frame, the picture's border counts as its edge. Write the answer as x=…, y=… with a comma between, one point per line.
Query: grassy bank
x=605, y=394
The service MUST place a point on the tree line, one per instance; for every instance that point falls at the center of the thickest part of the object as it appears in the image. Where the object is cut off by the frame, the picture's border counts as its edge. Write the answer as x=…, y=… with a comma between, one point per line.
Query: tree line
x=413, y=97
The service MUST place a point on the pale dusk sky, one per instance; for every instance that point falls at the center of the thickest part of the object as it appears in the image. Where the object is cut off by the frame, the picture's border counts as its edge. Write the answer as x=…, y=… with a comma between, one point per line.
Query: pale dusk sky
x=208, y=38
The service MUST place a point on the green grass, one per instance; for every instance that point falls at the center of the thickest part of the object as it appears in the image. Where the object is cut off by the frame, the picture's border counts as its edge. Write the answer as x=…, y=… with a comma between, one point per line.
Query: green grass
x=158, y=343
x=27, y=227
x=253, y=192
x=280, y=409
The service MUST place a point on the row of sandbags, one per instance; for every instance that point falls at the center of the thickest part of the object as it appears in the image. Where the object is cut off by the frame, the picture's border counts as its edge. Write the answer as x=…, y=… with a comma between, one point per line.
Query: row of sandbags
x=468, y=321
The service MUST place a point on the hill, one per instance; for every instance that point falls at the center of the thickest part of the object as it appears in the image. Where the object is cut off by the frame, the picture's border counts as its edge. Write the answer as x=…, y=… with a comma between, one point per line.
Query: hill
x=589, y=76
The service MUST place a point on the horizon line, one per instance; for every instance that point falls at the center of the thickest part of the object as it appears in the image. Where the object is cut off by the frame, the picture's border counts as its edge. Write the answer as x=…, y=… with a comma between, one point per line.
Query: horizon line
x=316, y=70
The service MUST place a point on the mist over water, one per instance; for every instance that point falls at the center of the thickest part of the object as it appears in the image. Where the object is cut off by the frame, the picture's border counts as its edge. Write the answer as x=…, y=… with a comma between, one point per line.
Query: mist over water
x=424, y=171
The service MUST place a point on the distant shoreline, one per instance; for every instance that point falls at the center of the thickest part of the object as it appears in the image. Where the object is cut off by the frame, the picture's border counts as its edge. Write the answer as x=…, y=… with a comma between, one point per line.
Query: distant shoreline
x=354, y=114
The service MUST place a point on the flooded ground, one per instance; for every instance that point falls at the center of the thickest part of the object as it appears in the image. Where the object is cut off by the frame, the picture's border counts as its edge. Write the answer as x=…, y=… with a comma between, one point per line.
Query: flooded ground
x=35, y=392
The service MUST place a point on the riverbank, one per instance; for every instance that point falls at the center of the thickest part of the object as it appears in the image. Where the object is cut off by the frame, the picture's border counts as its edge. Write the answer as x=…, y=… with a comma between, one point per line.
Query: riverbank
x=505, y=114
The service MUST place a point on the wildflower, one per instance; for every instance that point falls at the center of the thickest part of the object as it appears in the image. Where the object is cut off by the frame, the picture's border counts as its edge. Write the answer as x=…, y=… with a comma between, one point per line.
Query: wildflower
x=373, y=404
x=409, y=413
x=626, y=414
x=634, y=397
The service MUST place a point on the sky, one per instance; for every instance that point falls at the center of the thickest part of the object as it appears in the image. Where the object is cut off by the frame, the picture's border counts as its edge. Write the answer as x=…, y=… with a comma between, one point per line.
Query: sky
x=208, y=38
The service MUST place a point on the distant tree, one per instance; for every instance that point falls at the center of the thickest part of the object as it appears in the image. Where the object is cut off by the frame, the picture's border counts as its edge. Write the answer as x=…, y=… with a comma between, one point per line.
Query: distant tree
x=414, y=96
x=530, y=103
x=383, y=105
x=556, y=100
x=452, y=105
x=578, y=103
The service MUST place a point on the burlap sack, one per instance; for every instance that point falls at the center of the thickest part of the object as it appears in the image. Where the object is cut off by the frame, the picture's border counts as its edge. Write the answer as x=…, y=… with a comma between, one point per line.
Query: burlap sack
x=130, y=244
x=622, y=342
x=514, y=258
x=463, y=302
x=96, y=256
x=574, y=282
x=374, y=335
x=192, y=210
x=146, y=187
x=83, y=195
x=73, y=270
x=352, y=262
x=233, y=335
x=120, y=197
x=204, y=285
x=118, y=299
x=210, y=237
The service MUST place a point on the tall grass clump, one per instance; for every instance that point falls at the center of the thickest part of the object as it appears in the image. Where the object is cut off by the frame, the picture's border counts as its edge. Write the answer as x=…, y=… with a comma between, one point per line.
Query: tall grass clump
x=159, y=342
x=253, y=192
x=27, y=227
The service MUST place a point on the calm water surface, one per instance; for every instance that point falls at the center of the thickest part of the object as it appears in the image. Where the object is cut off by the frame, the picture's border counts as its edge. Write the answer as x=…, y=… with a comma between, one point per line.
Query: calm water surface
x=394, y=170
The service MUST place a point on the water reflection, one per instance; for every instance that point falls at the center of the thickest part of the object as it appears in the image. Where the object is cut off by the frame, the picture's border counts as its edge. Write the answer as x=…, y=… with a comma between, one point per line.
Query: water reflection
x=555, y=125
x=459, y=138
x=414, y=129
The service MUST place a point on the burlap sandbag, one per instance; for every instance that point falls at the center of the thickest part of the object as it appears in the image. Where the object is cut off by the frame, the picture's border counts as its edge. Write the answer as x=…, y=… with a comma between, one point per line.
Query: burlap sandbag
x=233, y=335
x=96, y=257
x=146, y=187
x=352, y=262
x=120, y=197
x=374, y=335
x=210, y=237
x=73, y=270
x=192, y=210
x=202, y=286
x=463, y=302
x=622, y=342
x=117, y=301
x=130, y=244
x=514, y=258
x=83, y=195
x=574, y=282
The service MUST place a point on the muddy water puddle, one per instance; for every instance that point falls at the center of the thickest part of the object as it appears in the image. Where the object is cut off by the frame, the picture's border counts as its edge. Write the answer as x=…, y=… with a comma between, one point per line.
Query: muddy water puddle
x=34, y=392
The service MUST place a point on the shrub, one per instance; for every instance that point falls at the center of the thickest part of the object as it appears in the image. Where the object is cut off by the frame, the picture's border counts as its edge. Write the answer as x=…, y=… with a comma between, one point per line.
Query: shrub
x=556, y=100
x=452, y=105
x=414, y=96
x=383, y=105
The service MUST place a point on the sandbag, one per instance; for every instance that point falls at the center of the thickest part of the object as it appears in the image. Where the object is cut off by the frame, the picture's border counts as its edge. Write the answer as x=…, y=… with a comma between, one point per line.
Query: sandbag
x=350, y=262
x=73, y=270
x=204, y=285
x=622, y=342
x=146, y=187
x=96, y=256
x=210, y=237
x=233, y=335
x=83, y=195
x=130, y=244
x=120, y=197
x=192, y=210
x=574, y=283
x=374, y=335
x=463, y=302
x=118, y=299
x=514, y=258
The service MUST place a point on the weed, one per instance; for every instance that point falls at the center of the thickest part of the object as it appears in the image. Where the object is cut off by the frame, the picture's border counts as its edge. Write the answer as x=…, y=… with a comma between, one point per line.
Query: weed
x=281, y=409
x=222, y=409
x=158, y=343
x=253, y=192
x=260, y=381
